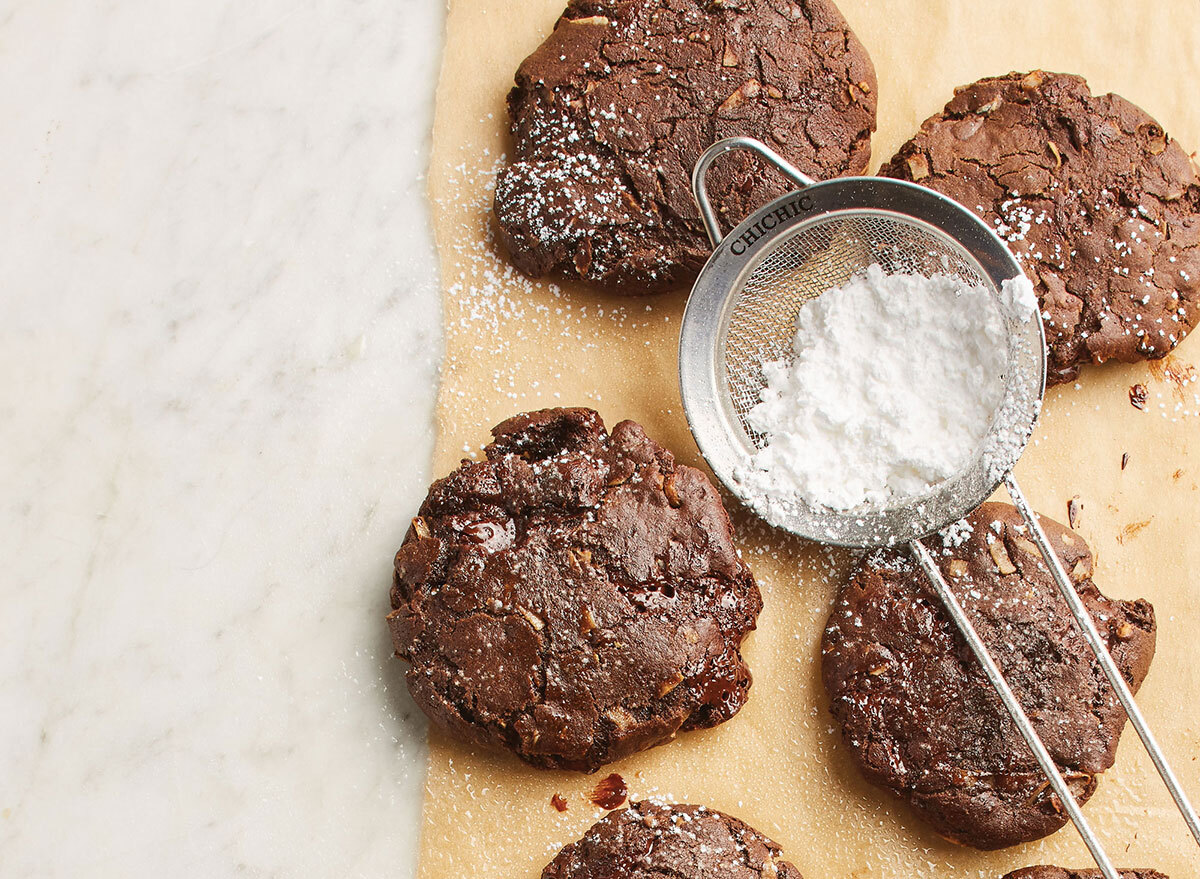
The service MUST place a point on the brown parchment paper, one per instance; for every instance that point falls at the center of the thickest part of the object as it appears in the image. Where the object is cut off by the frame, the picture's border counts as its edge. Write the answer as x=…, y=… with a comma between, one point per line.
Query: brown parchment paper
x=513, y=345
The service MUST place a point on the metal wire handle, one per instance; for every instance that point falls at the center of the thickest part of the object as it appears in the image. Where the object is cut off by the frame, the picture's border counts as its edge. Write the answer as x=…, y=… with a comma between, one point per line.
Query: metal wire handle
x=1096, y=642
x=1020, y=718
x=700, y=174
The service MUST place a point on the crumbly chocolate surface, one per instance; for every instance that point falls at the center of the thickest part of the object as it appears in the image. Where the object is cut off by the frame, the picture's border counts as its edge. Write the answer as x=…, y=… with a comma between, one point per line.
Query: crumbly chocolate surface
x=916, y=711
x=575, y=597
x=647, y=841
x=1098, y=203
x=612, y=111
x=1060, y=873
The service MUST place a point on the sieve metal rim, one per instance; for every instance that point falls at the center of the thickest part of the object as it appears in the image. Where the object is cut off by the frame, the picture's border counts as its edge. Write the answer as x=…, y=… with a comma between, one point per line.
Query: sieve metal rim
x=705, y=394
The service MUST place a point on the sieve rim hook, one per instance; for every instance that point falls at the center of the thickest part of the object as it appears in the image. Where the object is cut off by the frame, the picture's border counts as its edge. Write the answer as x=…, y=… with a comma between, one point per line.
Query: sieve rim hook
x=700, y=173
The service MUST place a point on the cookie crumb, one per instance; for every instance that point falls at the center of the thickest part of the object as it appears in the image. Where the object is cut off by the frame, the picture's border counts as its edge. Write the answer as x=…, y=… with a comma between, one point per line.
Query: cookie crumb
x=1131, y=530
x=559, y=802
x=610, y=792
x=1137, y=396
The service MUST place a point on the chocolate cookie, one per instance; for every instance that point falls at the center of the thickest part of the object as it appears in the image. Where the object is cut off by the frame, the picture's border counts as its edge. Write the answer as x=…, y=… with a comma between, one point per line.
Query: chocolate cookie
x=916, y=711
x=575, y=597
x=611, y=113
x=647, y=841
x=1060, y=873
x=1101, y=207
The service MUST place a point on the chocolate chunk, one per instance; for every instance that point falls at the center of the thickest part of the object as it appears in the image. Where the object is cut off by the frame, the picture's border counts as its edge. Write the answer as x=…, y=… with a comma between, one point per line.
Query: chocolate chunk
x=612, y=111
x=1101, y=207
x=647, y=841
x=916, y=711
x=559, y=601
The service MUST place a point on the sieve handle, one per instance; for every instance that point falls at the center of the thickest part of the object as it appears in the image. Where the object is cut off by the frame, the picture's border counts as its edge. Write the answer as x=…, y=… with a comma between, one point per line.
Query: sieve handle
x=700, y=173
x=1096, y=642
x=996, y=678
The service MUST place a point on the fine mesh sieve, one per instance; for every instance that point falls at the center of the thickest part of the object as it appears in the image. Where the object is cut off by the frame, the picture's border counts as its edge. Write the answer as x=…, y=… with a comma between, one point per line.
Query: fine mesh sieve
x=742, y=313
x=743, y=308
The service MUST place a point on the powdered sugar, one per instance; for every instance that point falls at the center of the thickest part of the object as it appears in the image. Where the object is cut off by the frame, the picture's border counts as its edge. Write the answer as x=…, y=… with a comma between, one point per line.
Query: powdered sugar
x=893, y=387
x=1018, y=298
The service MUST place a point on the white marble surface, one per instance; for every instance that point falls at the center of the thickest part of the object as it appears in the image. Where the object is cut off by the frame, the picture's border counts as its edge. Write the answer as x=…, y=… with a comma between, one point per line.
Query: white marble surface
x=218, y=353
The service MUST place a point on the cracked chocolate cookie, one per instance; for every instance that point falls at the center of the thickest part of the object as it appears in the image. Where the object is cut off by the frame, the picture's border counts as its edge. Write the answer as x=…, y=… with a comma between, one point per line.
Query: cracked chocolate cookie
x=1100, y=206
x=916, y=711
x=575, y=597
x=647, y=841
x=1060, y=873
x=612, y=111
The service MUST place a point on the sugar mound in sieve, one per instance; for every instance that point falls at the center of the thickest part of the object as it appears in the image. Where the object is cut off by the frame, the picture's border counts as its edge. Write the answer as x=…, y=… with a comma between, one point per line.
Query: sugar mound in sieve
x=892, y=387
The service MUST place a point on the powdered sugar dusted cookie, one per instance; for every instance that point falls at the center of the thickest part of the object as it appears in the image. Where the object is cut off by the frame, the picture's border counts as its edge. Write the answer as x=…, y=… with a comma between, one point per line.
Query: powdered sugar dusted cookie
x=611, y=113
x=647, y=841
x=575, y=597
x=919, y=716
x=1101, y=207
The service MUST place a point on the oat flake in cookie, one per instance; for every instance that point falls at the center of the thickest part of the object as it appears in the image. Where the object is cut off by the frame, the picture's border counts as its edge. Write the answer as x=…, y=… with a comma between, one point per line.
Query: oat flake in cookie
x=647, y=841
x=1060, y=873
x=574, y=598
x=612, y=111
x=916, y=711
x=1101, y=207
